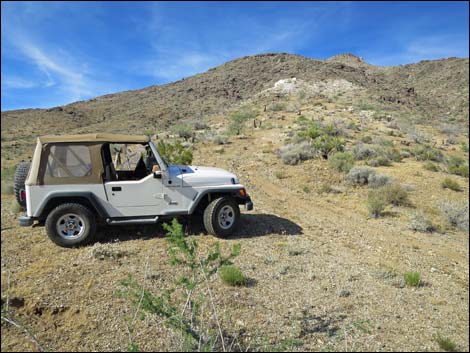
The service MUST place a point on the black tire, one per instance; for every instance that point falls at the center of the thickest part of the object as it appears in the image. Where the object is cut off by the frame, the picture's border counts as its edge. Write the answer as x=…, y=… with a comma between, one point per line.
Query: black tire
x=212, y=222
x=82, y=217
x=21, y=174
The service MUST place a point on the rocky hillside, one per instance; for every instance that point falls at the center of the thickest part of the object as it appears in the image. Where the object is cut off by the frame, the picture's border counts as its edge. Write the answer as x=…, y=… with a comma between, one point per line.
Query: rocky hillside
x=433, y=89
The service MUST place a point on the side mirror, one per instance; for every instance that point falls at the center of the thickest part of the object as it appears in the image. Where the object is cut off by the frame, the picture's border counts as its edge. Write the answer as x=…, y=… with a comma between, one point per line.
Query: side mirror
x=157, y=175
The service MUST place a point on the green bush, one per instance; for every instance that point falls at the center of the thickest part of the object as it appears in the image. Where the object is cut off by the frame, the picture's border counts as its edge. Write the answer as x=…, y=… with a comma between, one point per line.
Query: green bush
x=396, y=195
x=448, y=183
x=379, y=180
x=277, y=107
x=445, y=343
x=360, y=175
x=342, y=161
x=456, y=213
x=412, y=279
x=232, y=275
x=326, y=144
x=379, y=162
x=376, y=203
x=420, y=223
x=431, y=167
x=182, y=130
x=238, y=120
x=427, y=153
x=174, y=153
x=295, y=153
x=363, y=152
x=366, y=139
x=456, y=165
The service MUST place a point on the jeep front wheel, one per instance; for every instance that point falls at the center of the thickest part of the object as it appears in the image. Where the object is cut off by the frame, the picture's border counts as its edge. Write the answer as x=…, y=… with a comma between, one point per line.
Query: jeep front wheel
x=221, y=216
x=70, y=224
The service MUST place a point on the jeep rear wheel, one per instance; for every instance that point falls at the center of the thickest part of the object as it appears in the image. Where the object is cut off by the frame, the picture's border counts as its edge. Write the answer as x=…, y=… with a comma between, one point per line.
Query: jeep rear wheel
x=71, y=224
x=221, y=217
x=21, y=174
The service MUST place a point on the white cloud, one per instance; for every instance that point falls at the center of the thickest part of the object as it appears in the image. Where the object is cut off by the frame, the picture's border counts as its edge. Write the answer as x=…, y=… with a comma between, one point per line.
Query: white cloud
x=16, y=82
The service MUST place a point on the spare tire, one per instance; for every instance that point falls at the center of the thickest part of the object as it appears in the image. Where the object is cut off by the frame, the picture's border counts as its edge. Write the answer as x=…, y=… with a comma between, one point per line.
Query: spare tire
x=20, y=177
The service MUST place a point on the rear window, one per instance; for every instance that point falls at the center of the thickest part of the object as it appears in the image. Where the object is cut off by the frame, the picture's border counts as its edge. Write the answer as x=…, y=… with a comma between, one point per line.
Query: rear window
x=69, y=161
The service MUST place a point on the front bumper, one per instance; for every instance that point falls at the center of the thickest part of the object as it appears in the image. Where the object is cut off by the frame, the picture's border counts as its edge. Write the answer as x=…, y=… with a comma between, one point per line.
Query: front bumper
x=25, y=221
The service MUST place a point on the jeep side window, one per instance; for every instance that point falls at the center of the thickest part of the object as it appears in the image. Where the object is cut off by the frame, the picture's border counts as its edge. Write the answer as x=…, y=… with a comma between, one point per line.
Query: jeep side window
x=130, y=161
x=68, y=161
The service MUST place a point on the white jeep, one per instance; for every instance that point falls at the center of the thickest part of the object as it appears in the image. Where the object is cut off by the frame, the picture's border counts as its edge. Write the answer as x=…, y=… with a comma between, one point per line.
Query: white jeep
x=77, y=182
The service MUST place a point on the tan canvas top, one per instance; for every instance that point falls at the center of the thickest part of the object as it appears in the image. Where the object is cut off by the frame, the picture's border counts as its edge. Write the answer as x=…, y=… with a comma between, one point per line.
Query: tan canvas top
x=94, y=138
x=94, y=141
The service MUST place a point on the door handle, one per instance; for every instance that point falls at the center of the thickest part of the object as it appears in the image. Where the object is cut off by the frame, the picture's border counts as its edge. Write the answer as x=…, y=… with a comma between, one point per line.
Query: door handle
x=116, y=188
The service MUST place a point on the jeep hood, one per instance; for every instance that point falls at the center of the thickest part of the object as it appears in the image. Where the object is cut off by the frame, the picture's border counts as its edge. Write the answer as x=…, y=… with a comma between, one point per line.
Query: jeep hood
x=195, y=176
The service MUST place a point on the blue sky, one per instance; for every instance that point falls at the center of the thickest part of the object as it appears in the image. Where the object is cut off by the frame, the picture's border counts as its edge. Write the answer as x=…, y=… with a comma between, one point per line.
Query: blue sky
x=54, y=53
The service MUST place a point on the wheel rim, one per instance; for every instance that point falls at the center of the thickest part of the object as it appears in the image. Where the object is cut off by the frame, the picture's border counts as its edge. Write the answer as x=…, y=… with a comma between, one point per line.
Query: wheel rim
x=70, y=226
x=226, y=217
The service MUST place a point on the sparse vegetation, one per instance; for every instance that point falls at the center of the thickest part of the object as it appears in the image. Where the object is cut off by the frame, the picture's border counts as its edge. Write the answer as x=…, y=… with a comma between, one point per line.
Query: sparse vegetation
x=376, y=202
x=396, y=195
x=183, y=131
x=295, y=153
x=456, y=165
x=427, y=153
x=431, y=167
x=456, y=214
x=342, y=161
x=421, y=223
x=412, y=279
x=232, y=275
x=445, y=343
x=190, y=291
x=360, y=175
x=448, y=183
x=174, y=153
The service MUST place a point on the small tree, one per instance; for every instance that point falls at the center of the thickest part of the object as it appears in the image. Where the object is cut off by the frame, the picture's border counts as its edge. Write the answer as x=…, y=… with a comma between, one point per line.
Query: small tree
x=175, y=153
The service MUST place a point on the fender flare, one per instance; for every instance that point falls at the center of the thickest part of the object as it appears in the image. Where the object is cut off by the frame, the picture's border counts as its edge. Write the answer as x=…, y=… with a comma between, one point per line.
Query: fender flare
x=68, y=197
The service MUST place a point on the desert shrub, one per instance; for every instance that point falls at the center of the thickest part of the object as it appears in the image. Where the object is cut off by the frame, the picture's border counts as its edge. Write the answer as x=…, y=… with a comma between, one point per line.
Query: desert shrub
x=396, y=195
x=342, y=161
x=232, y=275
x=277, y=107
x=445, y=343
x=419, y=136
x=412, y=279
x=448, y=183
x=238, y=119
x=295, y=153
x=379, y=161
x=405, y=154
x=456, y=165
x=280, y=174
x=326, y=144
x=420, y=223
x=174, y=153
x=200, y=126
x=431, y=167
x=311, y=132
x=178, y=306
x=182, y=130
x=360, y=175
x=379, y=180
x=427, y=153
x=392, y=154
x=464, y=147
x=376, y=203
x=220, y=139
x=456, y=213
x=366, y=139
x=301, y=120
x=362, y=152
